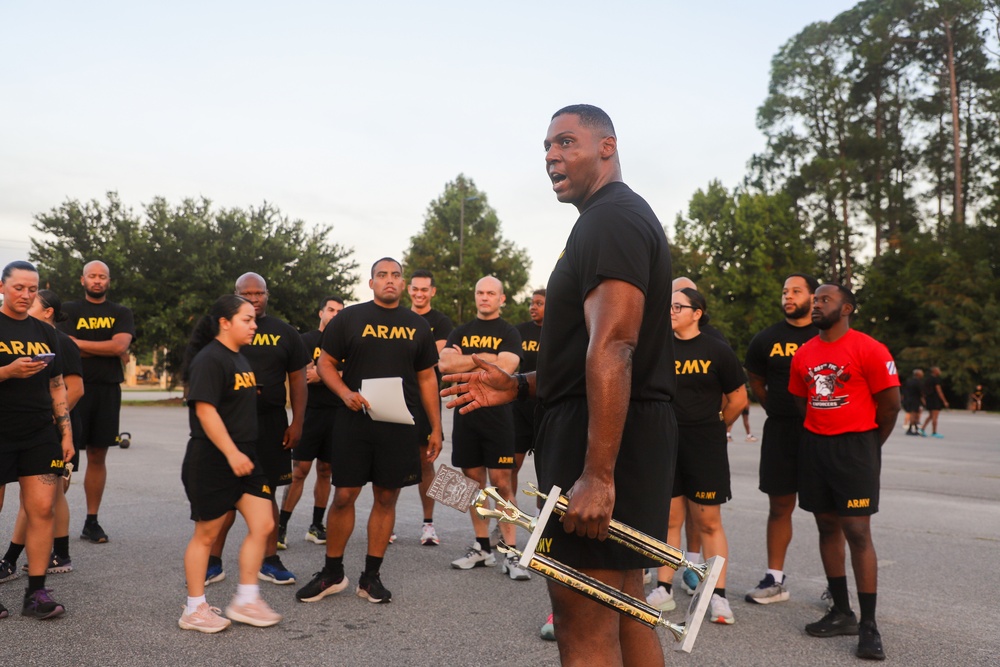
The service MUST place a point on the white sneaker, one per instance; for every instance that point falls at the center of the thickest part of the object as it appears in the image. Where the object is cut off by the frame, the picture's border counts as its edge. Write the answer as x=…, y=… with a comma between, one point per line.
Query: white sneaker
x=719, y=611
x=257, y=613
x=751, y=437
x=429, y=536
x=475, y=557
x=661, y=599
x=513, y=568
x=204, y=619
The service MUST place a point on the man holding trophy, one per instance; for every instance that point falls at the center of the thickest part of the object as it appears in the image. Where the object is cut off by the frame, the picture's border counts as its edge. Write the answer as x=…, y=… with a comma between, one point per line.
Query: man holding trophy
x=605, y=379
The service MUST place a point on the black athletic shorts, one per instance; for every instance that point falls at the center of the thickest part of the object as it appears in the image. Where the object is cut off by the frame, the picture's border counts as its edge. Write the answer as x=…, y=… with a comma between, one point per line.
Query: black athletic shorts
x=643, y=473
x=210, y=484
x=779, y=456
x=933, y=402
x=42, y=457
x=479, y=441
x=911, y=405
x=524, y=425
x=99, y=409
x=275, y=460
x=387, y=455
x=317, y=435
x=423, y=425
x=840, y=473
x=702, y=472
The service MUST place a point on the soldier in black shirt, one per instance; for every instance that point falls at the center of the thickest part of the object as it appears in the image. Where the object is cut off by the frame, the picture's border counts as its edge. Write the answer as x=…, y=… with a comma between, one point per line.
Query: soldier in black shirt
x=768, y=364
x=377, y=339
x=317, y=431
x=32, y=452
x=605, y=379
x=422, y=291
x=275, y=353
x=524, y=411
x=221, y=471
x=912, y=395
x=483, y=442
x=103, y=331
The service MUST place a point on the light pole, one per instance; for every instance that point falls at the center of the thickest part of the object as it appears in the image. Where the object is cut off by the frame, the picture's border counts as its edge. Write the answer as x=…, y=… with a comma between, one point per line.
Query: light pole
x=461, y=247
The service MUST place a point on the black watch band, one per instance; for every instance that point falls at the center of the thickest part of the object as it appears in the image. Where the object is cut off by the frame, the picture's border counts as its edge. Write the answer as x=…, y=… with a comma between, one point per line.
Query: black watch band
x=522, y=386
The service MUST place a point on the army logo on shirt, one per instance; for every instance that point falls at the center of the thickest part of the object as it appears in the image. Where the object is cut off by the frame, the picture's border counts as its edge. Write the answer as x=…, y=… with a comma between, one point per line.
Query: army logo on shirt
x=825, y=380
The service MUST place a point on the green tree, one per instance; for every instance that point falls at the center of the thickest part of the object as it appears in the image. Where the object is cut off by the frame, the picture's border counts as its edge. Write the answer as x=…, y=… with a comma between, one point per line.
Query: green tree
x=169, y=264
x=459, y=257
x=738, y=247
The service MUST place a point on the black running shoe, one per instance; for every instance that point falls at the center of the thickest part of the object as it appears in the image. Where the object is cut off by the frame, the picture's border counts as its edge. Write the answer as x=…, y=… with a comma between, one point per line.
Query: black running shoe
x=869, y=642
x=833, y=624
x=322, y=584
x=8, y=571
x=3, y=611
x=370, y=587
x=40, y=604
x=94, y=533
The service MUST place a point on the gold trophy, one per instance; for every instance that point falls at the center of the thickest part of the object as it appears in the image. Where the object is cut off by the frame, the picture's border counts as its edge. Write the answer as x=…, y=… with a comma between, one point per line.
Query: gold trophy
x=452, y=488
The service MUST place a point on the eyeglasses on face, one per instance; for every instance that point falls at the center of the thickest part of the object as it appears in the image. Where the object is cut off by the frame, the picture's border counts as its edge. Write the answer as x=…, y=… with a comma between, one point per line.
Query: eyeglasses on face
x=678, y=307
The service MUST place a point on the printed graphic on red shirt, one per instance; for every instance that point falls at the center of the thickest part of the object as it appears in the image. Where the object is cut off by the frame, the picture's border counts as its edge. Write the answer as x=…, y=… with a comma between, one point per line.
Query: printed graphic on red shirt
x=825, y=380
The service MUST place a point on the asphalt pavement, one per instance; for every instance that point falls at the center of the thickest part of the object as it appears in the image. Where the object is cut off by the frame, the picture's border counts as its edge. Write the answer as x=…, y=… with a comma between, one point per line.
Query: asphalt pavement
x=937, y=537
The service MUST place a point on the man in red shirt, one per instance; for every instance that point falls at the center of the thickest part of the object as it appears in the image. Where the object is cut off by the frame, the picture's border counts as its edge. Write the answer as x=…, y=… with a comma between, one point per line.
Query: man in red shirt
x=845, y=383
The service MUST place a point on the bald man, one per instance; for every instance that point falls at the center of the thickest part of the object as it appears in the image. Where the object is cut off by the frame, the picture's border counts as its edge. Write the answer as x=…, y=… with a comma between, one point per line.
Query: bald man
x=483, y=441
x=103, y=331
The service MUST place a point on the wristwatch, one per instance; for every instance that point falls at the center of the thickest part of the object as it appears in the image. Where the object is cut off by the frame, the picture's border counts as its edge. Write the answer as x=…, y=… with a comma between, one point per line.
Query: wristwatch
x=522, y=386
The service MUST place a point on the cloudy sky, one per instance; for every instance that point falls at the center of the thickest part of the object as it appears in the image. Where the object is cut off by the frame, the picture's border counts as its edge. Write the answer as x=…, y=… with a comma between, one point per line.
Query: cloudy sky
x=357, y=114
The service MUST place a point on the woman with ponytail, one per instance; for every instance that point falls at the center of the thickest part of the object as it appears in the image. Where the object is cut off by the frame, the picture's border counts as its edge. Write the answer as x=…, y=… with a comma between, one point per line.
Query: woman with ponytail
x=220, y=471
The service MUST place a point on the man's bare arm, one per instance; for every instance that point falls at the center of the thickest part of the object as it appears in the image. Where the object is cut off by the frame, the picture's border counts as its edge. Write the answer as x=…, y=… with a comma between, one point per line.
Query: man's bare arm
x=453, y=361
x=115, y=347
x=613, y=315
x=886, y=411
x=759, y=388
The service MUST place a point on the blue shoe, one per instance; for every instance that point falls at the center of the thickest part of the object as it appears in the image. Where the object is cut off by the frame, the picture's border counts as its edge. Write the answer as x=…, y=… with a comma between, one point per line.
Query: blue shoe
x=936, y=435
x=276, y=573
x=691, y=581
x=214, y=574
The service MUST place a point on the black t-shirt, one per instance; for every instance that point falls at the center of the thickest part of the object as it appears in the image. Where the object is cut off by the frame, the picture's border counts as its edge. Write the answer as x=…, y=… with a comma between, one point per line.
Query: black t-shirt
x=531, y=334
x=26, y=403
x=370, y=341
x=713, y=332
x=441, y=325
x=98, y=322
x=616, y=237
x=769, y=355
x=492, y=337
x=72, y=364
x=225, y=379
x=320, y=395
x=276, y=351
x=912, y=391
x=706, y=369
x=930, y=388
x=441, y=328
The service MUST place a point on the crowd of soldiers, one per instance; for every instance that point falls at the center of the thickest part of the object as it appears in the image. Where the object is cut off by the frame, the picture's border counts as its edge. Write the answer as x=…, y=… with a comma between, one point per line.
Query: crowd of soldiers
x=617, y=384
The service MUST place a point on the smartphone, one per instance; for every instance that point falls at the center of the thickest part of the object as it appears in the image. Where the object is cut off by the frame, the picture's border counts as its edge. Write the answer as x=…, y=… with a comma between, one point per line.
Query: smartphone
x=47, y=357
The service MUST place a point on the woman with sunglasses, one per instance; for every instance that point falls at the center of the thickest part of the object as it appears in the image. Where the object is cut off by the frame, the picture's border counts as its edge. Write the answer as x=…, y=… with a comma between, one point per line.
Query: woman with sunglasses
x=707, y=371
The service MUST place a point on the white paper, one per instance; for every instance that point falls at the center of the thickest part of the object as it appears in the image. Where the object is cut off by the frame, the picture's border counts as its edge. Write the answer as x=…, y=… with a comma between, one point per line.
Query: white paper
x=385, y=398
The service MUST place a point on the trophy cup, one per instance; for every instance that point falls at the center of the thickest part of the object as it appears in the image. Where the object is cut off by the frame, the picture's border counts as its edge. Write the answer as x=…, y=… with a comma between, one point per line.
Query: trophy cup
x=452, y=488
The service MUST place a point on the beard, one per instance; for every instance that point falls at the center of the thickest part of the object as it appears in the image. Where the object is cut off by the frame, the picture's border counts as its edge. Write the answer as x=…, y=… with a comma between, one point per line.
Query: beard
x=824, y=323
x=798, y=313
x=95, y=295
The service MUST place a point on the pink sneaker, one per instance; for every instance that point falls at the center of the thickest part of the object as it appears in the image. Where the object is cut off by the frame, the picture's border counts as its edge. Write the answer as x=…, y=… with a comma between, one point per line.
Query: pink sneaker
x=204, y=619
x=256, y=613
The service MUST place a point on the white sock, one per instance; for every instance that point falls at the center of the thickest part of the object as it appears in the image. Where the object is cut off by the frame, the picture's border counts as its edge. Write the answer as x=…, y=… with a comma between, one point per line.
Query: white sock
x=693, y=557
x=777, y=574
x=246, y=593
x=194, y=603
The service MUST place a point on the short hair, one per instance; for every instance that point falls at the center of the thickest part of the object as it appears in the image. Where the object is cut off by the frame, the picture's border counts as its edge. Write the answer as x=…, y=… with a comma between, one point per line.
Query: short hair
x=423, y=273
x=207, y=328
x=50, y=299
x=18, y=265
x=327, y=299
x=590, y=116
x=539, y=292
x=811, y=281
x=386, y=259
x=847, y=296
